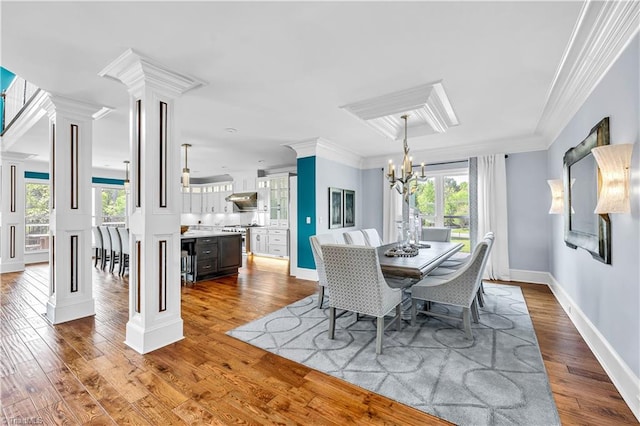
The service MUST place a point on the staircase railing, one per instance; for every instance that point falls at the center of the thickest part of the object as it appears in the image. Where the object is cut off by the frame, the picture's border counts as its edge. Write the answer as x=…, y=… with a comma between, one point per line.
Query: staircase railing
x=16, y=98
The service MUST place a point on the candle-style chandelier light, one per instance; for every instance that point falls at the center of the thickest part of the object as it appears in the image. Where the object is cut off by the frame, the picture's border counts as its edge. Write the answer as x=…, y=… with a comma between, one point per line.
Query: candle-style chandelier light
x=407, y=182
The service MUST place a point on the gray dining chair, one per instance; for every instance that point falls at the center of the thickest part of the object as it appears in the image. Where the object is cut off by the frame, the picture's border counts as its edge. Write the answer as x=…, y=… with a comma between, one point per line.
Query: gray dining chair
x=354, y=237
x=106, y=246
x=116, y=248
x=98, y=245
x=458, y=289
x=316, y=241
x=123, y=233
x=356, y=284
x=372, y=237
x=436, y=234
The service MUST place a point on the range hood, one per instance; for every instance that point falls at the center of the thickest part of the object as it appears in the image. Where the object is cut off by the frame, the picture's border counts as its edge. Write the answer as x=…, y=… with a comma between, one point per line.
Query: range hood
x=244, y=201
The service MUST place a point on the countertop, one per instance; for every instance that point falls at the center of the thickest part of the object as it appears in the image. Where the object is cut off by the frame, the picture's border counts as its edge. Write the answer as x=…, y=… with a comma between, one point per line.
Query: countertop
x=200, y=234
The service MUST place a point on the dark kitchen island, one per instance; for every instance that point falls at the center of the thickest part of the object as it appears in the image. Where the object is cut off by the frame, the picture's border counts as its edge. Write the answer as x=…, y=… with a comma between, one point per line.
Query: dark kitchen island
x=212, y=254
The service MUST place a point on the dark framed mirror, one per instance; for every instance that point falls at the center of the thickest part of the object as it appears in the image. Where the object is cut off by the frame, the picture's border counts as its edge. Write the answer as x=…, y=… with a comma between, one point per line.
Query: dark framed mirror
x=582, y=227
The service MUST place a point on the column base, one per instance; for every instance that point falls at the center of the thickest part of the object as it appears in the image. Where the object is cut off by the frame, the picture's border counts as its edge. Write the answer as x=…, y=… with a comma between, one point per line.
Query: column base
x=11, y=267
x=146, y=340
x=57, y=314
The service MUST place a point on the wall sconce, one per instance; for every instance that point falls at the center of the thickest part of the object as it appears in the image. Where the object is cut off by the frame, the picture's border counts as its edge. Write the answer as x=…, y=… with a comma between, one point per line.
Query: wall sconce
x=557, y=196
x=185, y=170
x=614, y=162
x=127, y=183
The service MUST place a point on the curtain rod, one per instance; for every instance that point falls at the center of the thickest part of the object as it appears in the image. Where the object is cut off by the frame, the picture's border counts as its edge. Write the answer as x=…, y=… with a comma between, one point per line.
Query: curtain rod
x=448, y=162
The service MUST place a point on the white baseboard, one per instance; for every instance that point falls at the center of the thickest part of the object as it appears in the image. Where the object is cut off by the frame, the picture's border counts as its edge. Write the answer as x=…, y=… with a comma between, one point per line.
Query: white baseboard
x=535, y=277
x=627, y=383
x=307, y=274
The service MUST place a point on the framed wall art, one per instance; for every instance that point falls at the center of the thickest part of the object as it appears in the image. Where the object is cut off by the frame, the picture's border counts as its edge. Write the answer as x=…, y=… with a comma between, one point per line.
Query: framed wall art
x=335, y=208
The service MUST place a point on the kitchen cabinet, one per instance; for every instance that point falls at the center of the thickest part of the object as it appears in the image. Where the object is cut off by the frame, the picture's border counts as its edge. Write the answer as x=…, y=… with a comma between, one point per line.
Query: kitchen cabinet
x=278, y=242
x=214, y=255
x=259, y=241
x=279, y=201
x=216, y=195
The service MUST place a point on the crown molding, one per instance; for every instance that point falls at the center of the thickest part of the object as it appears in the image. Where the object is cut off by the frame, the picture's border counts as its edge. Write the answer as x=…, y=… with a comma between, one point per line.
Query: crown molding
x=323, y=148
x=15, y=156
x=136, y=71
x=55, y=103
x=28, y=118
x=427, y=106
x=603, y=30
x=455, y=153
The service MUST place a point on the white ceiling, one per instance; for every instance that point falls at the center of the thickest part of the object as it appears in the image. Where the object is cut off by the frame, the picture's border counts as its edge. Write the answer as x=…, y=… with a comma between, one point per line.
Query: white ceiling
x=279, y=72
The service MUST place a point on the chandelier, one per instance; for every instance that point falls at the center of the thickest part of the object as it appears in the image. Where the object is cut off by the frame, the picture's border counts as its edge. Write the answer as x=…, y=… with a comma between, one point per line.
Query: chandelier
x=407, y=182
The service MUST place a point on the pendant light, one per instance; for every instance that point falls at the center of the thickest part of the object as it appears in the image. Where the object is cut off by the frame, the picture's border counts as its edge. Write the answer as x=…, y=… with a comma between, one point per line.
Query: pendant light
x=185, y=170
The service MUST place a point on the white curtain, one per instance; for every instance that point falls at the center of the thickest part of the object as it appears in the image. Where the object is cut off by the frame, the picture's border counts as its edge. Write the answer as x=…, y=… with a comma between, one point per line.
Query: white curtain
x=392, y=206
x=492, y=213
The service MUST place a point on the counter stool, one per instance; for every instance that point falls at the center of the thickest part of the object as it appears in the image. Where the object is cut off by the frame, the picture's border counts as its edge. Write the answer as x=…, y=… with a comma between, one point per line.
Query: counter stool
x=184, y=266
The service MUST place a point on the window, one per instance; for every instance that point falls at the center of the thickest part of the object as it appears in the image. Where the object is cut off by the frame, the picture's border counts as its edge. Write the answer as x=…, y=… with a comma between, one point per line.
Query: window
x=36, y=217
x=114, y=203
x=443, y=201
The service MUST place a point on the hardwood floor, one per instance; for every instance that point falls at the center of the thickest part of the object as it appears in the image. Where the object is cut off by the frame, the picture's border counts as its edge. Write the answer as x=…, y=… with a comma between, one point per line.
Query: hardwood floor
x=81, y=371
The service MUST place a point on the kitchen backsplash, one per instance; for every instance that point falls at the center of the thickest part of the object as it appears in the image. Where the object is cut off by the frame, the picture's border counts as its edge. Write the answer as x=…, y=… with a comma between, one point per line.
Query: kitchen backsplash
x=224, y=219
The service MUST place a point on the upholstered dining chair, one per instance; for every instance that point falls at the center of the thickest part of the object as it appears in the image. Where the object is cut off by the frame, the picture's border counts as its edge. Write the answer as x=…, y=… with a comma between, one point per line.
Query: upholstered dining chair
x=372, y=237
x=436, y=234
x=124, y=243
x=354, y=237
x=458, y=289
x=106, y=246
x=356, y=284
x=98, y=245
x=116, y=248
x=316, y=241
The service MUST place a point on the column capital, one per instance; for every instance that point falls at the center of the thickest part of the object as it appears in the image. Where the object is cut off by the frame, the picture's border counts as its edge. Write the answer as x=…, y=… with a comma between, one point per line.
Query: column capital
x=136, y=71
x=54, y=103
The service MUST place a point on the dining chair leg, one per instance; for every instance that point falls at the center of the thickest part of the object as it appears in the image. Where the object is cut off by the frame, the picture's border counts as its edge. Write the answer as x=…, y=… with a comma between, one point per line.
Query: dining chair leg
x=320, y=297
x=96, y=261
x=332, y=322
x=474, y=311
x=379, y=334
x=399, y=316
x=480, y=296
x=466, y=319
x=103, y=263
x=413, y=311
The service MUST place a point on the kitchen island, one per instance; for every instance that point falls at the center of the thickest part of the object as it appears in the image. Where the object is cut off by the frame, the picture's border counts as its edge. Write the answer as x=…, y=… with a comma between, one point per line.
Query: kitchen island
x=212, y=254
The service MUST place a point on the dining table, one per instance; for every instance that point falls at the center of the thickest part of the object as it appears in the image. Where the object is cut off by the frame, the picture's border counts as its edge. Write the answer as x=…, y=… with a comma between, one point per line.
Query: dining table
x=430, y=255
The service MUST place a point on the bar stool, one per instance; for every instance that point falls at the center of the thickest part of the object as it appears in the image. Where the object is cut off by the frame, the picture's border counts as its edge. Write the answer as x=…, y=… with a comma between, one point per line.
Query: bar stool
x=184, y=266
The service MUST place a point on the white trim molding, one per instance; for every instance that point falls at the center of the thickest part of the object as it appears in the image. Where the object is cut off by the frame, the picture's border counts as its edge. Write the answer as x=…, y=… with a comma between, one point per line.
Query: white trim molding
x=321, y=147
x=603, y=30
x=307, y=274
x=535, y=277
x=627, y=383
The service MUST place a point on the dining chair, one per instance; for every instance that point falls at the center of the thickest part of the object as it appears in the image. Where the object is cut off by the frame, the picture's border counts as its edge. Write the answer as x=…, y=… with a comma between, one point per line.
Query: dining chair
x=123, y=233
x=116, y=248
x=106, y=246
x=458, y=289
x=98, y=245
x=356, y=284
x=436, y=234
x=316, y=241
x=372, y=237
x=354, y=238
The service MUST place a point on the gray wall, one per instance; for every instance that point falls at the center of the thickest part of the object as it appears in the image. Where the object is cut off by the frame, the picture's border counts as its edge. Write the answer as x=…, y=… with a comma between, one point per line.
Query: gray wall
x=528, y=201
x=609, y=295
x=373, y=184
x=333, y=174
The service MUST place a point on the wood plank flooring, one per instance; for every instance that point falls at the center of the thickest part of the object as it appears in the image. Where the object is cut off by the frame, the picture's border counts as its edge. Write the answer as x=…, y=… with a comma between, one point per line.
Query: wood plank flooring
x=81, y=372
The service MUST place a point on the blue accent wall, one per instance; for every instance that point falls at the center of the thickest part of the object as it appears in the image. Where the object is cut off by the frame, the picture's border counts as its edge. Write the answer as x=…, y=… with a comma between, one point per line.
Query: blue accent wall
x=36, y=175
x=306, y=208
x=45, y=176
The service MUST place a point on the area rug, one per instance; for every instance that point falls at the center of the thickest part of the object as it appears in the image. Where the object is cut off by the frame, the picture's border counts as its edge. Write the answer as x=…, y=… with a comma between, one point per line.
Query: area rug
x=496, y=379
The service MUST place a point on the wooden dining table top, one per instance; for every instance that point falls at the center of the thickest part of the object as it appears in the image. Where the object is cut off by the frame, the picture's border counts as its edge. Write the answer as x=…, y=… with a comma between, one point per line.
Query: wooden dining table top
x=418, y=266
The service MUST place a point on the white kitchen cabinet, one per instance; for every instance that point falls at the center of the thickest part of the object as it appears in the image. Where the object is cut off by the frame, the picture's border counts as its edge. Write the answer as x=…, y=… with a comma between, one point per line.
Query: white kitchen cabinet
x=186, y=200
x=259, y=241
x=278, y=242
x=279, y=200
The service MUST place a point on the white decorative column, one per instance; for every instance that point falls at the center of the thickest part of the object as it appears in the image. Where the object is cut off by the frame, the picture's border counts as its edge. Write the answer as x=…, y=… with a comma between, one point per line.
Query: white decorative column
x=12, y=212
x=154, y=277
x=70, y=266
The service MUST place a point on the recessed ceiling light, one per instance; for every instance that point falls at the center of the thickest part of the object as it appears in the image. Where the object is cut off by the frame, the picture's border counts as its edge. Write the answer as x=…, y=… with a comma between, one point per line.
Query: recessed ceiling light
x=230, y=130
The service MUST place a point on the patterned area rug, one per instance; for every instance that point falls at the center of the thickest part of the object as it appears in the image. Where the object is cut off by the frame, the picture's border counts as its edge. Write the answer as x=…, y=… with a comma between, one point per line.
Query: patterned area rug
x=496, y=379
